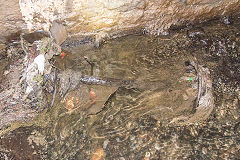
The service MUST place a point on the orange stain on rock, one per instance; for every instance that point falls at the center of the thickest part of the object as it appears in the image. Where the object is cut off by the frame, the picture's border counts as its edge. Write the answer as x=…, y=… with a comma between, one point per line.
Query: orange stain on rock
x=93, y=97
x=71, y=102
x=98, y=154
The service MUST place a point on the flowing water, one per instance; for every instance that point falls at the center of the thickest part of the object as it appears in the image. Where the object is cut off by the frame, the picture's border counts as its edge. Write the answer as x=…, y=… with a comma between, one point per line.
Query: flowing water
x=119, y=101
x=154, y=83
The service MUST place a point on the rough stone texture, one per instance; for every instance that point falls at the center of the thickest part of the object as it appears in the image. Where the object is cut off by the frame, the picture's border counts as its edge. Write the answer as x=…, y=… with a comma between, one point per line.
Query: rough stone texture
x=10, y=18
x=58, y=32
x=100, y=17
x=58, y=134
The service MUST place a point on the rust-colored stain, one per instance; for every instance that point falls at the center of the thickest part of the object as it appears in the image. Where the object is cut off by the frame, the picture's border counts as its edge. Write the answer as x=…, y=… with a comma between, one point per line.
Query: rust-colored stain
x=71, y=102
x=98, y=154
x=93, y=97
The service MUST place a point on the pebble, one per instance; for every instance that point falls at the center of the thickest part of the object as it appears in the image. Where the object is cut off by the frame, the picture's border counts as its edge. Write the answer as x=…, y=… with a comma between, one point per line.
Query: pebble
x=105, y=143
x=157, y=146
x=2, y=46
x=98, y=154
x=147, y=155
x=204, y=150
x=185, y=97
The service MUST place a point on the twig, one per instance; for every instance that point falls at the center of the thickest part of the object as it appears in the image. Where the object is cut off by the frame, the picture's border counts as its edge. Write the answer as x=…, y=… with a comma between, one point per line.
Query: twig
x=88, y=60
x=91, y=64
x=64, y=94
x=55, y=88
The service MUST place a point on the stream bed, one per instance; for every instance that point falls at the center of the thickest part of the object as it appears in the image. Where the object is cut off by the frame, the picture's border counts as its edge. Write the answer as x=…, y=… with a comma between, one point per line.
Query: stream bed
x=138, y=97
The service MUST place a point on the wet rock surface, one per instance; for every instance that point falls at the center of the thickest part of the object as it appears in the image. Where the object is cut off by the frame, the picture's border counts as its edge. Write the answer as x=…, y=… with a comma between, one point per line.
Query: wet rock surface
x=22, y=93
x=130, y=125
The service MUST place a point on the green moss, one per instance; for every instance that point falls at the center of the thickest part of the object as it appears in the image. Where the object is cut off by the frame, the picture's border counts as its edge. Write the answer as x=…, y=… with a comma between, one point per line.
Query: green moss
x=39, y=79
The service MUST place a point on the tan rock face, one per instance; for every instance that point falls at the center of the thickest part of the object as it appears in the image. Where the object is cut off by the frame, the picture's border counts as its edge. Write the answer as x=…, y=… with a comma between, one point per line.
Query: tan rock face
x=101, y=17
x=10, y=18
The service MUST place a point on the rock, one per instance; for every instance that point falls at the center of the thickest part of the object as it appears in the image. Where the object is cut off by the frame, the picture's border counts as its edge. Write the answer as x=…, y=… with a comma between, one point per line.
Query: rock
x=98, y=154
x=105, y=143
x=81, y=98
x=23, y=95
x=185, y=97
x=35, y=36
x=11, y=19
x=96, y=17
x=40, y=60
x=2, y=46
x=113, y=17
x=58, y=32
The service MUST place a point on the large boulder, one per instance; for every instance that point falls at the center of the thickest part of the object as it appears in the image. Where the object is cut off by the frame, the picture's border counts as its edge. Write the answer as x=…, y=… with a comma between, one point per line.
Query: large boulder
x=108, y=17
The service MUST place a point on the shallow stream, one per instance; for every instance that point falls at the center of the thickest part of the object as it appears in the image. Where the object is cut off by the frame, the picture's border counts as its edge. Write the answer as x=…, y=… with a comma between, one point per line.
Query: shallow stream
x=147, y=83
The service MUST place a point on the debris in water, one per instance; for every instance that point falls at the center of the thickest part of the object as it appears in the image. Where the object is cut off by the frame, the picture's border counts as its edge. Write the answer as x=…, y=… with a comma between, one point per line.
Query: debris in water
x=63, y=54
x=204, y=100
x=191, y=79
x=71, y=102
x=93, y=97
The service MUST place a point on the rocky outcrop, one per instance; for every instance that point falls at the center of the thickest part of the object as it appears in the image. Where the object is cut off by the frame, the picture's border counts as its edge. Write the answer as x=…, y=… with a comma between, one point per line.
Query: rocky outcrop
x=11, y=19
x=101, y=17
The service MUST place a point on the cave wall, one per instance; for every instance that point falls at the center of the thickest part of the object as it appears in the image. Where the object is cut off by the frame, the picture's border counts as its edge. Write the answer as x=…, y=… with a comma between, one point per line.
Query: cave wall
x=100, y=17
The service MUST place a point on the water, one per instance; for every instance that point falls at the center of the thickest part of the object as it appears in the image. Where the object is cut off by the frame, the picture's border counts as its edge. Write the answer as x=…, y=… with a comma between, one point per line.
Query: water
x=154, y=82
x=133, y=120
